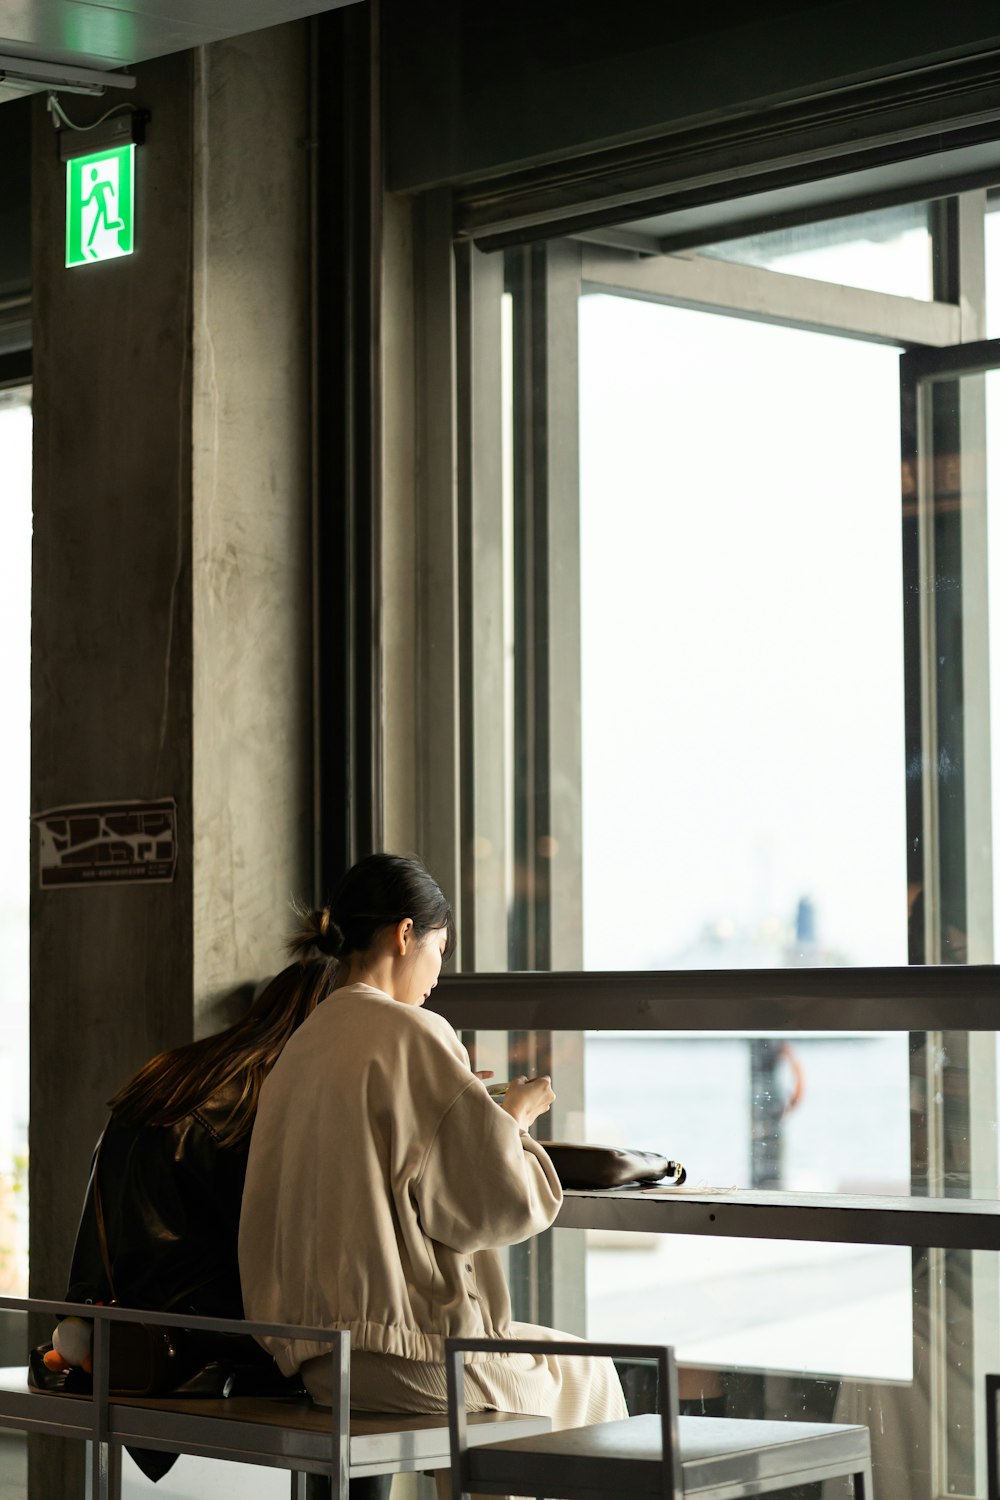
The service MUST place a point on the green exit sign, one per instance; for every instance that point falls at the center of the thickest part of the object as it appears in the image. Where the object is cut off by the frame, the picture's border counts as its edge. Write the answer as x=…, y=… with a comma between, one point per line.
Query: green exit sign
x=100, y=196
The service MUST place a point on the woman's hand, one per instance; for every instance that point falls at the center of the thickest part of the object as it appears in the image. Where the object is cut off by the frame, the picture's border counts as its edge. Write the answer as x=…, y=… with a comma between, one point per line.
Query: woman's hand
x=527, y=1098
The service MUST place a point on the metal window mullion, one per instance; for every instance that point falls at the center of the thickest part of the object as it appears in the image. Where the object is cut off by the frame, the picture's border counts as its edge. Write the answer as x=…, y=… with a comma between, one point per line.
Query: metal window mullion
x=549, y=1278
x=973, y=1291
x=971, y=258
x=528, y=945
x=345, y=190
x=563, y=854
x=437, y=738
x=485, y=856
x=944, y=453
x=530, y=1263
x=773, y=297
x=559, y=860
x=920, y=651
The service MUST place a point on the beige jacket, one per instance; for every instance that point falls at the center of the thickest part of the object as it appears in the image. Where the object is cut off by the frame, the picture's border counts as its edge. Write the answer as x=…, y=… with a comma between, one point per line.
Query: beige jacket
x=381, y=1179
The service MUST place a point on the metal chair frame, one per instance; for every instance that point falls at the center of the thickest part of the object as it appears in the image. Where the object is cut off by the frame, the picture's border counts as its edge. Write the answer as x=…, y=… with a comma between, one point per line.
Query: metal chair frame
x=992, y=1456
x=309, y=1443
x=753, y=1480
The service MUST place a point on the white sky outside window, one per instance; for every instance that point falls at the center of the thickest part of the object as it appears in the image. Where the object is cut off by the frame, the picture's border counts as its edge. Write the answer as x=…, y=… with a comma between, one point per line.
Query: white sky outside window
x=742, y=657
x=992, y=381
x=992, y=230
x=888, y=250
x=15, y=688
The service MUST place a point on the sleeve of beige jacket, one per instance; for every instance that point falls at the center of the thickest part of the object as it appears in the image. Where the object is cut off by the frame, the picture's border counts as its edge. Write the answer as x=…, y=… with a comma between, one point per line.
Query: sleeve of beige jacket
x=483, y=1184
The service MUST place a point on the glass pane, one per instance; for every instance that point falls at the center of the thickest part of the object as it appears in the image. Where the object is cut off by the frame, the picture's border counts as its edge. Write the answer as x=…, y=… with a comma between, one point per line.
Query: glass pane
x=991, y=383
x=908, y=1333
x=814, y=1308
x=885, y=251
x=741, y=643
x=763, y=1112
x=15, y=588
x=799, y=1330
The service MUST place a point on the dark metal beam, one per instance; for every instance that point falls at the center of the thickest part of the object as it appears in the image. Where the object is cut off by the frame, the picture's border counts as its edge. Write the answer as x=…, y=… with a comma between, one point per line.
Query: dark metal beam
x=347, y=190
x=949, y=997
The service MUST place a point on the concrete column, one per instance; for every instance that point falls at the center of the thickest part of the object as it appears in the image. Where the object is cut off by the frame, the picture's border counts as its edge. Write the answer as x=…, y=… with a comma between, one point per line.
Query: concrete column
x=251, y=734
x=171, y=603
x=112, y=649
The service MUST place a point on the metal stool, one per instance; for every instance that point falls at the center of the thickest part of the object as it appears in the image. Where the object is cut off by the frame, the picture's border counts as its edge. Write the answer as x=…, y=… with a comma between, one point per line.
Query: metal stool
x=667, y=1456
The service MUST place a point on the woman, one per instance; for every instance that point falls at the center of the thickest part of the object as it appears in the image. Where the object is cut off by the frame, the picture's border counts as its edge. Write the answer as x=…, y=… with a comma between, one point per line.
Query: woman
x=161, y=1214
x=383, y=1178
x=168, y=1171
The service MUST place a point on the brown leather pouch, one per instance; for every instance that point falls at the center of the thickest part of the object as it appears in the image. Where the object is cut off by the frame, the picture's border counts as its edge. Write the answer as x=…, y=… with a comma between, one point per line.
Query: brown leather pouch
x=609, y=1167
x=143, y=1362
x=143, y=1359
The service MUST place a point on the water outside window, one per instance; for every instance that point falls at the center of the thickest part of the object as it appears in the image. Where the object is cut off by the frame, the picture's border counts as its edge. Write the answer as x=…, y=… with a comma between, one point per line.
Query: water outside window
x=838, y=1122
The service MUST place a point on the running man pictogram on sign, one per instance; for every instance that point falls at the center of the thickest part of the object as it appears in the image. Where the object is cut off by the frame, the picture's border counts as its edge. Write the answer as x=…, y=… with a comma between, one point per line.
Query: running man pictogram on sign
x=99, y=205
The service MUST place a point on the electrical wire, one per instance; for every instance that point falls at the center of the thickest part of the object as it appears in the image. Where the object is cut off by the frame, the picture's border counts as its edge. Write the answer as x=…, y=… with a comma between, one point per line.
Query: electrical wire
x=55, y=108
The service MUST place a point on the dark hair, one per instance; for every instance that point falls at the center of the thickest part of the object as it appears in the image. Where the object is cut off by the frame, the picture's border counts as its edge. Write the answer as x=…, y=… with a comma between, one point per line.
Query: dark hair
x=376, y=893
x=175, y=1083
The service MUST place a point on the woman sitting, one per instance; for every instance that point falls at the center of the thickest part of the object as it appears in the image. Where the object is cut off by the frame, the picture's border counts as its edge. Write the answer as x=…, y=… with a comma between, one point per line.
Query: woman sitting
x=161, y=1214
x=383, y=1178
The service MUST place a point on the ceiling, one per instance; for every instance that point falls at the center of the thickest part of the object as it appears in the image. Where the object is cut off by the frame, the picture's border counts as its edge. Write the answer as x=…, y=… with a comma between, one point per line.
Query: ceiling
x=115, y=33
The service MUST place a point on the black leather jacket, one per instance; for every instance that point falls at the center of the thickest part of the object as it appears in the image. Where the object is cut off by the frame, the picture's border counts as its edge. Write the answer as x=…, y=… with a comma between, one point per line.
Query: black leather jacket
x=171, y=1200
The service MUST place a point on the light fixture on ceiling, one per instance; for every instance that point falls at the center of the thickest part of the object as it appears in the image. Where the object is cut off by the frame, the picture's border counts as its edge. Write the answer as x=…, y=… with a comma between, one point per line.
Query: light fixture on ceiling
x=61, y=76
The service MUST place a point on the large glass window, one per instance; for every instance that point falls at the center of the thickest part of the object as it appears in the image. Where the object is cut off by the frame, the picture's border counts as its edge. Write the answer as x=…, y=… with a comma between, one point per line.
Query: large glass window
x=15, y=690
x=744, y=645
x=730, y=527
x=15, y=586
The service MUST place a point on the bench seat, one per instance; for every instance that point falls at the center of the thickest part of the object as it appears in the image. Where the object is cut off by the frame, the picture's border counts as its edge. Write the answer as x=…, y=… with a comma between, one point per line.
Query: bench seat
x=286, y=1432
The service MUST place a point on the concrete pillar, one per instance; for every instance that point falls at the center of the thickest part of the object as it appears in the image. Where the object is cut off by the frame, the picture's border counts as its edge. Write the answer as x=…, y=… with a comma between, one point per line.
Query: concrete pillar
x=171, y=592
x=251, y=726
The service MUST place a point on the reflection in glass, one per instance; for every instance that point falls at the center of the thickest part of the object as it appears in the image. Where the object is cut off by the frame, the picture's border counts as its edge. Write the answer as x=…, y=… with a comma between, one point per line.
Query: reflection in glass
x=887, y=1336
x=792, y=1330
x=811, y=1113
x=884, y=251
x=814, y=1308
x=741, y=643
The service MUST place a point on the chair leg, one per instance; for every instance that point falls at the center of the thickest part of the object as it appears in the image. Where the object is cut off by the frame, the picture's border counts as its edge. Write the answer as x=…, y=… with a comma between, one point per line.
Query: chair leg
x=863, y=1483
x=114, y=1471
x=105, y=1470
